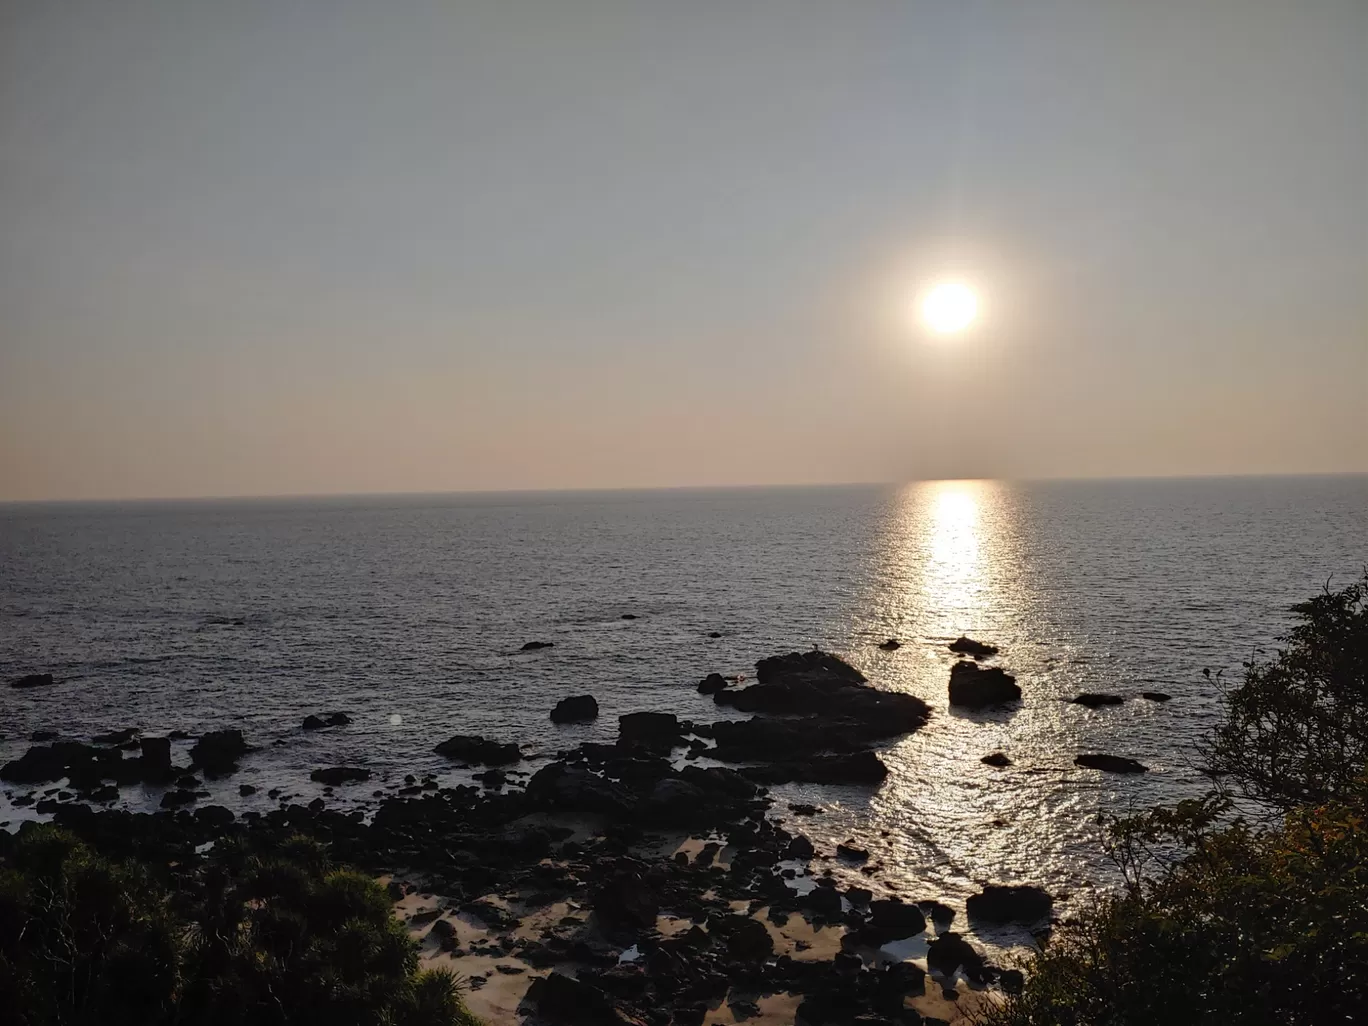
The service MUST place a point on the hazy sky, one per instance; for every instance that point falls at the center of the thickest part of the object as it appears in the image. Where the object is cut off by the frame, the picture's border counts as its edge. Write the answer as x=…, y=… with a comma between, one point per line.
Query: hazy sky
x=284, y=247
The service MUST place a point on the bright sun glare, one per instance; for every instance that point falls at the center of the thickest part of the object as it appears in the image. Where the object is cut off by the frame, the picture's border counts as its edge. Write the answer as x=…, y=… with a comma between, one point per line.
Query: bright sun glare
x=949, y=307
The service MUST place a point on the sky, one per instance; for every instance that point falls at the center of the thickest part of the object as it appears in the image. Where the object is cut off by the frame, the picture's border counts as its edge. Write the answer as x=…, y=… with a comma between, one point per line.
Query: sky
x=303, y=247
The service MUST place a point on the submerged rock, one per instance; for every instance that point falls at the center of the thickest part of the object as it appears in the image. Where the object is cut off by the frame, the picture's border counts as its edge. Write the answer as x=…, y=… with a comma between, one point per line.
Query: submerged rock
x=337, y=719
x=1020, y=903
x=970, y=647
x=476, y=749
x=853, y=768
x=340, y=775
x=533, y=646
x=712, y=684
x=996, y=759
x=1110, y=764
x=891, y=645
x=1156, y=696
x=1093, y=700
x=975, y=687
x=576, y=709
x=116, y=737
x=218, y=751
x=33, y=680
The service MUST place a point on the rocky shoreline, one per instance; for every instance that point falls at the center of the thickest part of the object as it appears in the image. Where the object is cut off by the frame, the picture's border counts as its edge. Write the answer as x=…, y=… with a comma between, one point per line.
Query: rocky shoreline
x=677, y=880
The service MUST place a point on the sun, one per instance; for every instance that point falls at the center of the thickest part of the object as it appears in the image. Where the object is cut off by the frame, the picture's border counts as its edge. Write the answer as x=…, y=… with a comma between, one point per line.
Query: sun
x=949, y=307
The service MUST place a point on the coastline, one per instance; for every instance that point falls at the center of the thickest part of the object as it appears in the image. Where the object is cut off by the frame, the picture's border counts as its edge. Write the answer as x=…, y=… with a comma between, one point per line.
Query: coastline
x=615, y=876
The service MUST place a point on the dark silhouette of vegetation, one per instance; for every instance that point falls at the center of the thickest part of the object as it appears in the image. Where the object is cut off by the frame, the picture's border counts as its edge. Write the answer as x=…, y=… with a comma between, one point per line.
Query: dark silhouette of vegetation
x=1296, y=732
x=260, y=938
x=1221, y=921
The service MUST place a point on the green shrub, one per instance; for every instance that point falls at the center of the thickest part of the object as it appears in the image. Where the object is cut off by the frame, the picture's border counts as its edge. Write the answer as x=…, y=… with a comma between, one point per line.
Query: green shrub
x=1222, y=922
x=268, y=938
x=1296, y=729
x=82, y=939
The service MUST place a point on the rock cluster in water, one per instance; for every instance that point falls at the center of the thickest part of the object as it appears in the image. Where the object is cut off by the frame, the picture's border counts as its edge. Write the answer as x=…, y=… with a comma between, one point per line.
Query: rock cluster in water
x=584, y=828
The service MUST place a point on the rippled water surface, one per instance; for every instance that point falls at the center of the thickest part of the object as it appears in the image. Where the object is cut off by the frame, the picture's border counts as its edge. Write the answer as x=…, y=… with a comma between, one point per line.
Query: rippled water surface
x=409, y=612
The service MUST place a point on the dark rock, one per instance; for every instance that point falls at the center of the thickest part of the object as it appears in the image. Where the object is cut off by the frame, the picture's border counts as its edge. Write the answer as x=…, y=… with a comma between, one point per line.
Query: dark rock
x=847, y=964
x=215, y=817
x=853, y=768
x=156, y=757
x=1010, y=904
x=218, y=751
x=492, y=777
x=800, y=848
x=175, y=799
x=718, y=780
x=496, y=917
x=898, y=981
x=629, y=616
x=1093, y=700
x=444, y=932
x=1012, y=981
x=337, y=719
x=576, y=709
x=970, y=647
x=573, y=788
x=533, y=646
x=43, y=736
x=816, y=668
x=749, y=940
x=40, y=763
x=799, y=809
x=712, y=684
x=938, y=912
x=674, y=796
x=627, y=900
x=116, y=737
x=896, y=919
x=714, y=634
x=334, y=775
x=891, y=645
x=996, y=759
x=650, y=728
x=974, y=686
x=1110, y=764
x=851, y=853
x=1156, y=696
x=825, y=901
x=949, y=952
x=562, y=999
x=859, y=896
x=246, y=790
x=33, y=680
x=476, y=749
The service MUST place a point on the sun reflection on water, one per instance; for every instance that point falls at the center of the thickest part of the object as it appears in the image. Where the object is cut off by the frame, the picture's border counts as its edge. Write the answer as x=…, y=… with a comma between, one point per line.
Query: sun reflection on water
x=954, y=586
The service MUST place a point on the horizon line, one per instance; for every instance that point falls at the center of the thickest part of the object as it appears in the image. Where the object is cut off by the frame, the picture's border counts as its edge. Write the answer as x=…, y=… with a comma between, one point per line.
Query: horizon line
x=620, y=489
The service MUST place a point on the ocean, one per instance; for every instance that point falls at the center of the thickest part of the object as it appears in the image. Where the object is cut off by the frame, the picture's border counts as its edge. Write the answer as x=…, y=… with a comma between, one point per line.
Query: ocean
x=409, y=613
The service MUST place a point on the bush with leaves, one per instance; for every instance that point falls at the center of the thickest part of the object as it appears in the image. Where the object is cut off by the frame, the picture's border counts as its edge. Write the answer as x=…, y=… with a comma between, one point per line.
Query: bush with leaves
x=1222, y=921
x=82, y=940
x=1296, y=729
x=274, y=937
